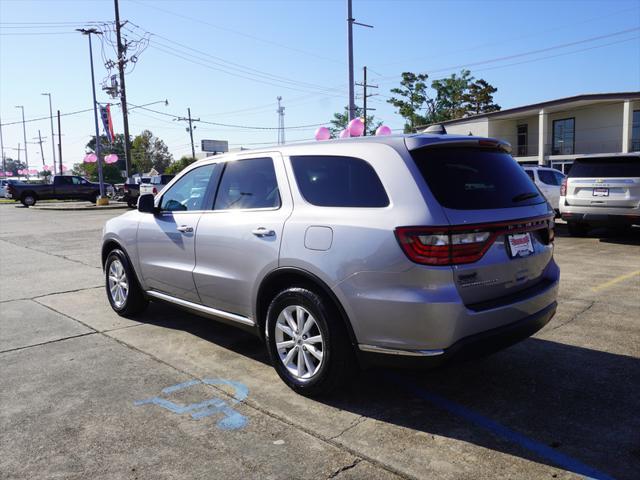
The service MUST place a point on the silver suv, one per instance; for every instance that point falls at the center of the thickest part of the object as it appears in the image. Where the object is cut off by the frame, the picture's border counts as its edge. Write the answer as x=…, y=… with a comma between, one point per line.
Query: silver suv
x=601, y=190
x=396, y=250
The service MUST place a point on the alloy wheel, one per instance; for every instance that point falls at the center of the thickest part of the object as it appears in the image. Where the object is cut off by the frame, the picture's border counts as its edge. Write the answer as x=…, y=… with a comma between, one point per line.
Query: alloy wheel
x=299, y=342
x=118, y=283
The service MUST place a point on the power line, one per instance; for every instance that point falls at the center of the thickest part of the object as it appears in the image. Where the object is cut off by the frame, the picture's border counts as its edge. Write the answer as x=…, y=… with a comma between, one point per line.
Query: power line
x=237, y=32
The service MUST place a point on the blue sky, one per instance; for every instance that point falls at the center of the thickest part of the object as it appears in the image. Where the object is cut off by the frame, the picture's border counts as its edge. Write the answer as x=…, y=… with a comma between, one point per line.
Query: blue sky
x=229, y=60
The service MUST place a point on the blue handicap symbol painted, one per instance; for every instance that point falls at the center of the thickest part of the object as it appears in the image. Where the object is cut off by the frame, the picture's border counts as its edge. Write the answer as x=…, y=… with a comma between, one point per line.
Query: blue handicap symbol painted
x=232, y=420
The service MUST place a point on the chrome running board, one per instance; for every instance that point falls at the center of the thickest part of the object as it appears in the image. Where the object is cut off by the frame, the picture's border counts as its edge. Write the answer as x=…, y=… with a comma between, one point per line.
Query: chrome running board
x=393, y=351
x=212, y=312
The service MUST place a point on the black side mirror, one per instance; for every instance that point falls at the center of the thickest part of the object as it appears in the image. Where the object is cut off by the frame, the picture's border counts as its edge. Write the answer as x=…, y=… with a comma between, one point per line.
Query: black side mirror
x=146, y=203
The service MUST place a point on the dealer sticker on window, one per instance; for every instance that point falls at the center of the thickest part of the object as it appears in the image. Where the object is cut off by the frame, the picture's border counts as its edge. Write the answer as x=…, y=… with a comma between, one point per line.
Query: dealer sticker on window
x=520, y=244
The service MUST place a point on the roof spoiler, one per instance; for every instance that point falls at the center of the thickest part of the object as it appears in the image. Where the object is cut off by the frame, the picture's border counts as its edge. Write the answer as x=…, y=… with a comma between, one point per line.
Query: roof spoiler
x=418, y=142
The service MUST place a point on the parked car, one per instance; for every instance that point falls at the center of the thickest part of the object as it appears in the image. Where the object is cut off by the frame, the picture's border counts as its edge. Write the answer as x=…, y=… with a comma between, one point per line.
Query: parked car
x=346, y=253
x=157, y=183
x=132, y=190
x=601, y=190
x=4, y=183
x=63, y=187
x=548, y=180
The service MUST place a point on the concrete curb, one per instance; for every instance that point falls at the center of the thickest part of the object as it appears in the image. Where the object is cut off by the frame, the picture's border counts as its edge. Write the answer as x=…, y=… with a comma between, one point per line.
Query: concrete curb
x=76, y=207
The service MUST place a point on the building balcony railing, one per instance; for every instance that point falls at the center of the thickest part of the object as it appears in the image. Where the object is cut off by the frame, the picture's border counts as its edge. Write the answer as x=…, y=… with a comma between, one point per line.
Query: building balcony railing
x=580, y=148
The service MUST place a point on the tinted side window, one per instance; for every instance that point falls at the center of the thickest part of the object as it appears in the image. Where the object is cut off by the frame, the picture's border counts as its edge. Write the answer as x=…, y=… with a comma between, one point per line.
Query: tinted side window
x=530, y=173
x=248, y=183
x=64, y=180
x=606, y=167
x=549, y=178
x=189, y=192
x=333, y=181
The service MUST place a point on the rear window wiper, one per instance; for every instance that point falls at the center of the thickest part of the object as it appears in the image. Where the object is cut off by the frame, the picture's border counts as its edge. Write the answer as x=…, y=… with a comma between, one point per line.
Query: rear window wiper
x=521, y=197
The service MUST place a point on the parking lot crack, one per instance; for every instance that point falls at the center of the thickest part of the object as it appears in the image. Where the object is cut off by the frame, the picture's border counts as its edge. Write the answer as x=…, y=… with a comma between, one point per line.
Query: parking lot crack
x=48, y=342
x=354, y=423
x=574, y=316
x=44, y=252
x=345, y=468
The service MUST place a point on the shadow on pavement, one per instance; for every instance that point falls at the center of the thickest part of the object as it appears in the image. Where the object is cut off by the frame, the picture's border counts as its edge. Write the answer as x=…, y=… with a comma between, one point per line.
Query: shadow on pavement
x=620, y=236
x=581, y=403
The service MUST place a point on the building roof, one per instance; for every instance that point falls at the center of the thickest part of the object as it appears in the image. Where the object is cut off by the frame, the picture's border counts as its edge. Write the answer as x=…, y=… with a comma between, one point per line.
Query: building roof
x=577, y=99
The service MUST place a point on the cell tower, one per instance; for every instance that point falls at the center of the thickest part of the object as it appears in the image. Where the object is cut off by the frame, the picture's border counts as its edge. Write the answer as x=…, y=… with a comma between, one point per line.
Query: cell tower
x=280, y=112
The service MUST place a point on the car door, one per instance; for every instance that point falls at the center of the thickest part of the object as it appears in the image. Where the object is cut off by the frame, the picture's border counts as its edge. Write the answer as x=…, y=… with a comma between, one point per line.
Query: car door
x=62, y=187
x=238, y=241
x=166, y=240
x=550, y=181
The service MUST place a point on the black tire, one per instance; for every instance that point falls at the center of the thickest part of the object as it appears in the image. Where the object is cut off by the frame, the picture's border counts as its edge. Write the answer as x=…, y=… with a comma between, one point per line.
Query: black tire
x=135, y=301
x=131, y=203
x=28, y=199
x=338, y=364
x=577, y=229
x=93, y=198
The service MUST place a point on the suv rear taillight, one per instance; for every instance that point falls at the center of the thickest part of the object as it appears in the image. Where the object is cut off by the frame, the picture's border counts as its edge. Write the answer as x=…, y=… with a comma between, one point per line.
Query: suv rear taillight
x=463, y=244
x=155, y=190
x=563, y=188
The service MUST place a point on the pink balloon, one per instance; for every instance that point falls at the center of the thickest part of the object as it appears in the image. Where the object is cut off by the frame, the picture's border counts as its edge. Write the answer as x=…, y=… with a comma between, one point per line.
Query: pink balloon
x=33, y=172
x=1, y=174
x=9, y=174
x=383, y=130
x=323, y=133
x=64, y=168
x=356, y=127
x=90, y=158
x=111, y=158
x=20, y=172
x=345, y=133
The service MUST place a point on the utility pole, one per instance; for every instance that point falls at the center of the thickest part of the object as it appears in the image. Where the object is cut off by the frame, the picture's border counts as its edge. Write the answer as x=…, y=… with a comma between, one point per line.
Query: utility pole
x=364, y=86
x=40, y=141
x=59, y=144
x=53, y=144
x=280, y=112
x=190, y=129
x=350, y=23
x=24, y=134
x=123, y=92
x=4, y=161
x=88, y=32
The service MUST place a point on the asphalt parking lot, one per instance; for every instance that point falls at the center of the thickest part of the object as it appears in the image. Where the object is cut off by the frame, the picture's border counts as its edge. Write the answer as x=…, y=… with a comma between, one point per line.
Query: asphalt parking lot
x=87, y=394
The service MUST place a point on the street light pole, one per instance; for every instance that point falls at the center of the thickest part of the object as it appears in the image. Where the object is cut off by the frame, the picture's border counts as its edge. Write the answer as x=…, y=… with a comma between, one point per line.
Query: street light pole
x=24, y=134
x=88, y=32
x=53, y=143
x=350, y=19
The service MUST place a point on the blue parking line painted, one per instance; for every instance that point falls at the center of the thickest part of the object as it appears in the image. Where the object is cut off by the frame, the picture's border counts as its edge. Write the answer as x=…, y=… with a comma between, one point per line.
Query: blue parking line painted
x=231, y=420
x=559, y=459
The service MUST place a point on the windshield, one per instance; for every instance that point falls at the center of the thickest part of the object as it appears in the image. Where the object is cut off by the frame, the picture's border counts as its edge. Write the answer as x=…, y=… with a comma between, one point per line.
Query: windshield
x=466, y=178
x=606, y=167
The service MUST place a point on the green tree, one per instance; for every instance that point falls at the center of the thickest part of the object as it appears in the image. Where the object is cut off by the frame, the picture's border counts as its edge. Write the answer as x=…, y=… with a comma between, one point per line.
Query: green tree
x=179, y=165
x=111, y=173
x=479, y=98
x=449, y=101
x=341, y=120
x=106, y=148
x=411, y=98
x=13, y=166
x=149, y=152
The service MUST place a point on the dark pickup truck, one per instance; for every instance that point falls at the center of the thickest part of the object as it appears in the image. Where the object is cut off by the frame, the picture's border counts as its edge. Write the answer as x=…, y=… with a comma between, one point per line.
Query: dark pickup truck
x=63, y=187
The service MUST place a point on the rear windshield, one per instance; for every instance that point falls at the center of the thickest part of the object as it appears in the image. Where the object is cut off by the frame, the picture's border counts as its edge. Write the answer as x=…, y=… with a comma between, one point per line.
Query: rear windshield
x=471, y=178
x=606, y=167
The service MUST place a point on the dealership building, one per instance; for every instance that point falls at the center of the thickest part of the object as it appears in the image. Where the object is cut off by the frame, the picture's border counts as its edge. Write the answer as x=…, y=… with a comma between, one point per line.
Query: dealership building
x=555, y=132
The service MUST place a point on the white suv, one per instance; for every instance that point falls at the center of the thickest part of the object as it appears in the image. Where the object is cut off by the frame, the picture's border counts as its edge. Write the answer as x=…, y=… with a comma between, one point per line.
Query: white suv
x=412, y=249
x=548, y=180
x=601, y=190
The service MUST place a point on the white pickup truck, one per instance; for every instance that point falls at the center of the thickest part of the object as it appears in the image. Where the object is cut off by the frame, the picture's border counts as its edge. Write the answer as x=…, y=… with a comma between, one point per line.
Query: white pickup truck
x=156, y=184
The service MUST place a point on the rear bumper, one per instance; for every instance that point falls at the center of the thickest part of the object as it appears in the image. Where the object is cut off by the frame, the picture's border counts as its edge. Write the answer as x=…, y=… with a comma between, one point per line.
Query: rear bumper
x=473, y=346
x=602, y=218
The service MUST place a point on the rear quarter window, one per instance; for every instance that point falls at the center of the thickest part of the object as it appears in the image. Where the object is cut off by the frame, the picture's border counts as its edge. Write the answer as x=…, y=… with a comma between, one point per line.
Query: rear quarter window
x=338, y=181
x=606, y=167
x=464, y=178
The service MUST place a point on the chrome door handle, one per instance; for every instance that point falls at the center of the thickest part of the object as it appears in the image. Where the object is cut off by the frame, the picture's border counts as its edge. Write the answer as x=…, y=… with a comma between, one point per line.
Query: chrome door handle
x=263, y=232
x=184, y=229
